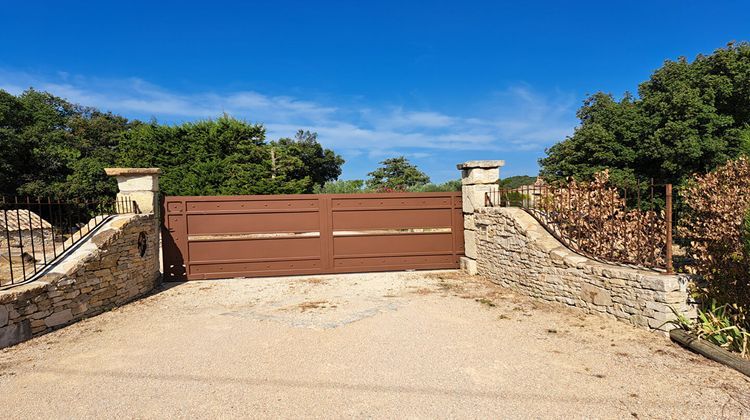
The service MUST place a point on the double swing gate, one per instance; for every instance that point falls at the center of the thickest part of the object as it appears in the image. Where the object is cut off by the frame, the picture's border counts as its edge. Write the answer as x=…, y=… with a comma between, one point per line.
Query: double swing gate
x=256, y=236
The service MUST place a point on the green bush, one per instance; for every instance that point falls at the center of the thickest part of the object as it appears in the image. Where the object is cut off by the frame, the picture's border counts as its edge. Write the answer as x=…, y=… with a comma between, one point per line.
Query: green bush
x=717, y=324
x=341, y=186
x=513, y=199
x=448, y=186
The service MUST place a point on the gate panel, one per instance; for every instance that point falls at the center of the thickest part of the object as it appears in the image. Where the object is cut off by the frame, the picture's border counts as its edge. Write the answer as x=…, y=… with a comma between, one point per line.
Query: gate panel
x=253, y=236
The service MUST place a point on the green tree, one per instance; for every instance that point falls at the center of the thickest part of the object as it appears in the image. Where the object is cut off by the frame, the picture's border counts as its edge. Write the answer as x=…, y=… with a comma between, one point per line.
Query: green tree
x=228, y=156
x=517, y=181
x=689, y=117
x=319, y=165
x=396, y=173
x=54, y=148
x=342, y=186
x=51, y=147
x=209, y=157
x=13, y=117
x=448, y=186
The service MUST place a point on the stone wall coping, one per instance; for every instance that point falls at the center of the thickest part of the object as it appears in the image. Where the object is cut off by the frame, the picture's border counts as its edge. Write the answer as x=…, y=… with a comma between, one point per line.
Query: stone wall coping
x=131, y=171
x=650, y=279
x=22, y=291
x=484, y=164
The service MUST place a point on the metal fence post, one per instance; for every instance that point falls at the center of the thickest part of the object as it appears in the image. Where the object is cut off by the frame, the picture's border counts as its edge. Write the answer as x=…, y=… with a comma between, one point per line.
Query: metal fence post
x=668, y=216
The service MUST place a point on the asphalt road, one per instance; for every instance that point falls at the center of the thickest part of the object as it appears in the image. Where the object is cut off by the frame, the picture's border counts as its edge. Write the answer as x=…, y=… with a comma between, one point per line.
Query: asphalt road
x=426, y=345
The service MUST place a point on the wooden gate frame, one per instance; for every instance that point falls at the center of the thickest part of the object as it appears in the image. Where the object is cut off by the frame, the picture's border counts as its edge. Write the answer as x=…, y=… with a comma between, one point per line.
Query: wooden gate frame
x=395, y=226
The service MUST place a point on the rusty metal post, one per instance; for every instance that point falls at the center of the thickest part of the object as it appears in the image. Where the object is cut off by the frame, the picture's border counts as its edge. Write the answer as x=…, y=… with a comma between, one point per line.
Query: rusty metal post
x=668, y=216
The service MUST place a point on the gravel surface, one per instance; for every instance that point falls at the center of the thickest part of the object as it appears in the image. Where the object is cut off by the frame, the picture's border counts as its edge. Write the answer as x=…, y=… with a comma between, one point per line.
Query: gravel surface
x=427, y=344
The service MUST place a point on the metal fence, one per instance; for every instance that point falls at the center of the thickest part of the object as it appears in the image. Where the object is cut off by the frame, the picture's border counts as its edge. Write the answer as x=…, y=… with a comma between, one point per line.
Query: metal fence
x=619, y=225
x=35, y=232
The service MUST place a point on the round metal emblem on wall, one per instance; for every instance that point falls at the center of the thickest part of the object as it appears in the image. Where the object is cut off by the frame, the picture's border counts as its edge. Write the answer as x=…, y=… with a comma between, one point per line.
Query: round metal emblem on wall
x=142, y=243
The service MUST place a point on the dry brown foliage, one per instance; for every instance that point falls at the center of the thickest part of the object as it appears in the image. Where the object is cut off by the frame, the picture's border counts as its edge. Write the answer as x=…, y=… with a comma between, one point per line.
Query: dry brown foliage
x=593, y=218
x=716, y=205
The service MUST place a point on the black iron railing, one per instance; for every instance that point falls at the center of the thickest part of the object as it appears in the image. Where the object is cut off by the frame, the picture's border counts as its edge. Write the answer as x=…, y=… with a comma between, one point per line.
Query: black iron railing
x=36, y=232
x=629, y=226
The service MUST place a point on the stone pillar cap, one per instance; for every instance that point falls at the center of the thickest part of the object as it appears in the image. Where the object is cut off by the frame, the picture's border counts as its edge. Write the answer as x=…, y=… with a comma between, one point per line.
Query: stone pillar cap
x=131, y=171
x=484, y=164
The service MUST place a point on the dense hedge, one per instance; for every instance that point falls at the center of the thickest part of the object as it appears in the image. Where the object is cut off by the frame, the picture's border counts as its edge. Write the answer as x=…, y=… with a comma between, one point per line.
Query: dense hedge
x=716, y=221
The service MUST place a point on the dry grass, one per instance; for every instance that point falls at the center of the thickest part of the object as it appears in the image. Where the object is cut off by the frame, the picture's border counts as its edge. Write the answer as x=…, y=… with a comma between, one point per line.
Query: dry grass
x=315, y=304
x=314, y=280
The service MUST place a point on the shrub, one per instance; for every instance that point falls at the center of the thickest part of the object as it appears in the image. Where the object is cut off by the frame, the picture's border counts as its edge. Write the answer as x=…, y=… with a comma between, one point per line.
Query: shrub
x=716, y=324
x=448, y=186
x=353, y=186
x=513, y=198
x=716, y=223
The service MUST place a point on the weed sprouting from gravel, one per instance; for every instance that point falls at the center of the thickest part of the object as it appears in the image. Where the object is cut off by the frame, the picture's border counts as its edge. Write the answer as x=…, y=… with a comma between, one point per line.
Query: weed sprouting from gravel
x=485, y=301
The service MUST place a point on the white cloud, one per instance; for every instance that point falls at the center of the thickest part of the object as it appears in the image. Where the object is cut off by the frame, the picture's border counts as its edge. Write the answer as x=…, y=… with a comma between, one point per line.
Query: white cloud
x=515, y=119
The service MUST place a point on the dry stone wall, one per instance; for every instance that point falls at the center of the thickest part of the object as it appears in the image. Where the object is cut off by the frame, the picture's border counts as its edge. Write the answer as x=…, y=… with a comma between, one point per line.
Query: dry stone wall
x=117, y=264
x=515, y=251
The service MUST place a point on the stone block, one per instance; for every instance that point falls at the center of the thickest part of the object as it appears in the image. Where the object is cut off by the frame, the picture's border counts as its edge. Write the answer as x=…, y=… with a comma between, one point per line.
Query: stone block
x=103, y=237
x=472, y=176
x=595, y=295
x=485, y=164
x=470, y=244
x=659, y=324
x=660, y=307
x=41, y=314
x=59, y=318
x=661, y=283
x=468, y=265
x=470, y=221
x=15, y=333
x=79, y=309
x=473, y=196
x=4, y=315
x=135, y=179
x=146, y=200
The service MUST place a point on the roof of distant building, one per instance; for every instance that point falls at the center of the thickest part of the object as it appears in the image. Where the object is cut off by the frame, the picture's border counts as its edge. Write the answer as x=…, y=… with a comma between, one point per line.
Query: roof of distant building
x=15, y=220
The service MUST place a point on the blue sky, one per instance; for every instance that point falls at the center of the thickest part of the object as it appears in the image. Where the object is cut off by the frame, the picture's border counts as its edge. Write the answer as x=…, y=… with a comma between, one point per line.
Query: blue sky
x=441, y=83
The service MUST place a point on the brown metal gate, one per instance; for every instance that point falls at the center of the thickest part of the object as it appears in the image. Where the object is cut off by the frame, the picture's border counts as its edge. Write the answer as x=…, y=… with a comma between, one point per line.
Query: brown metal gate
x=273, y=235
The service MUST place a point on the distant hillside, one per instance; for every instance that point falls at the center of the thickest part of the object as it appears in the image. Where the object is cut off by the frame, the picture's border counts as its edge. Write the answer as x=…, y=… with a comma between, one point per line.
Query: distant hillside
x=517, y=181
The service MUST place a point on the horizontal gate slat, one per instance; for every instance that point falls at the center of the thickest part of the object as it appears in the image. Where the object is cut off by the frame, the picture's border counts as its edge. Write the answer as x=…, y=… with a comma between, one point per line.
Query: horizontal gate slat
x=393, y=219
x=253, y=223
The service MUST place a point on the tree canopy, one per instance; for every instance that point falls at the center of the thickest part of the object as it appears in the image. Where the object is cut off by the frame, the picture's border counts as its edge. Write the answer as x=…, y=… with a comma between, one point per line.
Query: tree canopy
x=689, y=117
x=227, y=156
x=51, y=147
x=396, y=174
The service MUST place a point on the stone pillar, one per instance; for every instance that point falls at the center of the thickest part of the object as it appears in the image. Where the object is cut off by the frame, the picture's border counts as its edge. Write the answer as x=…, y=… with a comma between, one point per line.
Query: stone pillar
x=477, y=178
x=140, y=185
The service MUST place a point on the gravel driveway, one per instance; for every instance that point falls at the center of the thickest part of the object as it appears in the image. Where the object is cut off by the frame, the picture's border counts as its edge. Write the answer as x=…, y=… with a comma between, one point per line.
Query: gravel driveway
x=428, y=344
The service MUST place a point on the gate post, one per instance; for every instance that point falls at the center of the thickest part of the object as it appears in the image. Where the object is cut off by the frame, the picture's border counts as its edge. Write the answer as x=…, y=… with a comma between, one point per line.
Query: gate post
x=477, y=178
x=140, y=185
